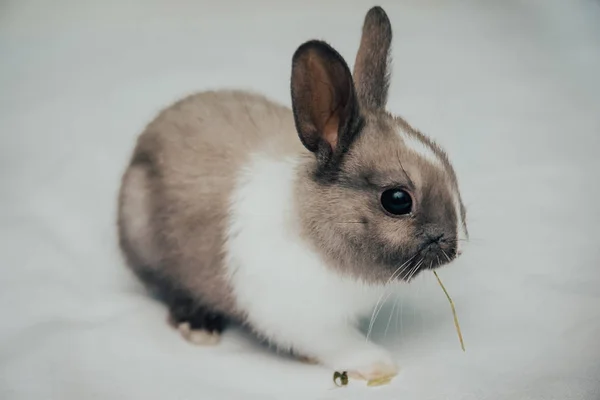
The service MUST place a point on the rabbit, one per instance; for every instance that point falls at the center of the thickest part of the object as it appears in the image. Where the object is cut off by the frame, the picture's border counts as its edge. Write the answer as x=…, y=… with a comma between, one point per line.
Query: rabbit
x=291, y=221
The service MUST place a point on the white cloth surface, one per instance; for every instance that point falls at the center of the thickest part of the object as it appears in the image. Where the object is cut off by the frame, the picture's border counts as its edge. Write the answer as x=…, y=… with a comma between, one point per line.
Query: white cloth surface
x=510, y=88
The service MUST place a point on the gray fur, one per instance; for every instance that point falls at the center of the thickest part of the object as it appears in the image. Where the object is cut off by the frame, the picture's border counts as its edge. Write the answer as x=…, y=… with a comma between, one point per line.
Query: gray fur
x=372, y=65
x=175, y=192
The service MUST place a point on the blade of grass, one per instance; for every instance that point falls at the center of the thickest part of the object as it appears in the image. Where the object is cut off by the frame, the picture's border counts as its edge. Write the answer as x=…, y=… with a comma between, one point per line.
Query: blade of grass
x=462, y=344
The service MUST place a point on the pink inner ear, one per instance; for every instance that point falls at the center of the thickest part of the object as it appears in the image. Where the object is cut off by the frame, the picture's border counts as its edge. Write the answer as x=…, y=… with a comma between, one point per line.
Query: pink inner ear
x=330, y=131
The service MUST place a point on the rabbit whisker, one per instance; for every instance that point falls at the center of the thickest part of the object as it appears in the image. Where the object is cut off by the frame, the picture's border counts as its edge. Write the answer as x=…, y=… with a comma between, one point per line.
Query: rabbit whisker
x=377, y=310
x=391, y=315
x=398, y=271
x=446, y=255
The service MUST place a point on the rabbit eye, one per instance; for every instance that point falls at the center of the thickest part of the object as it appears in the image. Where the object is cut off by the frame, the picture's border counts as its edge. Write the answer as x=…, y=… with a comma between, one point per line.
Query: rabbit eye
x=396, y=201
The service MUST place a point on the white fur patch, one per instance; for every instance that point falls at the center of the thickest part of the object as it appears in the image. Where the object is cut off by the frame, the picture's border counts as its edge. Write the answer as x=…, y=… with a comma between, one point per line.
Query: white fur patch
x=288, y=293
x=423, y=149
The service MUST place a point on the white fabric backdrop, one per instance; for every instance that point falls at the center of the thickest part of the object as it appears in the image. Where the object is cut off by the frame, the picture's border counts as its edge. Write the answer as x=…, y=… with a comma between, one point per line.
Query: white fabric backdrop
x=510, y=88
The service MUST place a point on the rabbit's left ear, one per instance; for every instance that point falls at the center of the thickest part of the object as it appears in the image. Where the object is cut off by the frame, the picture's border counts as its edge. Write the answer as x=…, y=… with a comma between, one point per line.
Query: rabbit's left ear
x=324, y=102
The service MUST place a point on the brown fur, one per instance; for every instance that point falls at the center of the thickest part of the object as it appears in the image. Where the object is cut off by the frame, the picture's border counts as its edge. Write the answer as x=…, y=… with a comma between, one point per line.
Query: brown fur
x=371, y=68
x=173, y=205
x=190, y=154
x=341, y=213
x=345, y=220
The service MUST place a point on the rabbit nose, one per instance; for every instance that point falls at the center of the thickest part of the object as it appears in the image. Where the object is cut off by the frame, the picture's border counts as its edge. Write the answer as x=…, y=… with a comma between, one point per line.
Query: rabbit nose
x=434, y=238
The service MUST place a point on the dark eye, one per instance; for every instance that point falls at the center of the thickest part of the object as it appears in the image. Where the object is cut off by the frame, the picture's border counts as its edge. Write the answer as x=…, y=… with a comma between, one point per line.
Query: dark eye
x=396, y=201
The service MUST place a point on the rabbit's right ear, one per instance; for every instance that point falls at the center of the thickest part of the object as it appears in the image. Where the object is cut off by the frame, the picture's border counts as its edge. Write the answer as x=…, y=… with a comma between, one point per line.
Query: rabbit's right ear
x=371, y=69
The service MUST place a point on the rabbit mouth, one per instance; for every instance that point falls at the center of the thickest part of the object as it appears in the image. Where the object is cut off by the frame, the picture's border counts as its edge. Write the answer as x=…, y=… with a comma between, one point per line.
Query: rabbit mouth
x=404, y=266
x=435, y=254
x=430, y=256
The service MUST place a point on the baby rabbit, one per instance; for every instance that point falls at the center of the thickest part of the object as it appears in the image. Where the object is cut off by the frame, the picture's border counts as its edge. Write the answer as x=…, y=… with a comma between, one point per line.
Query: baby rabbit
x=293, y=222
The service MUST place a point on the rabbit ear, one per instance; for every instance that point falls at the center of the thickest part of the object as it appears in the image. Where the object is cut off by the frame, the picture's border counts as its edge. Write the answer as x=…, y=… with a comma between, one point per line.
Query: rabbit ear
x=323, y=101
x=371, y=69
